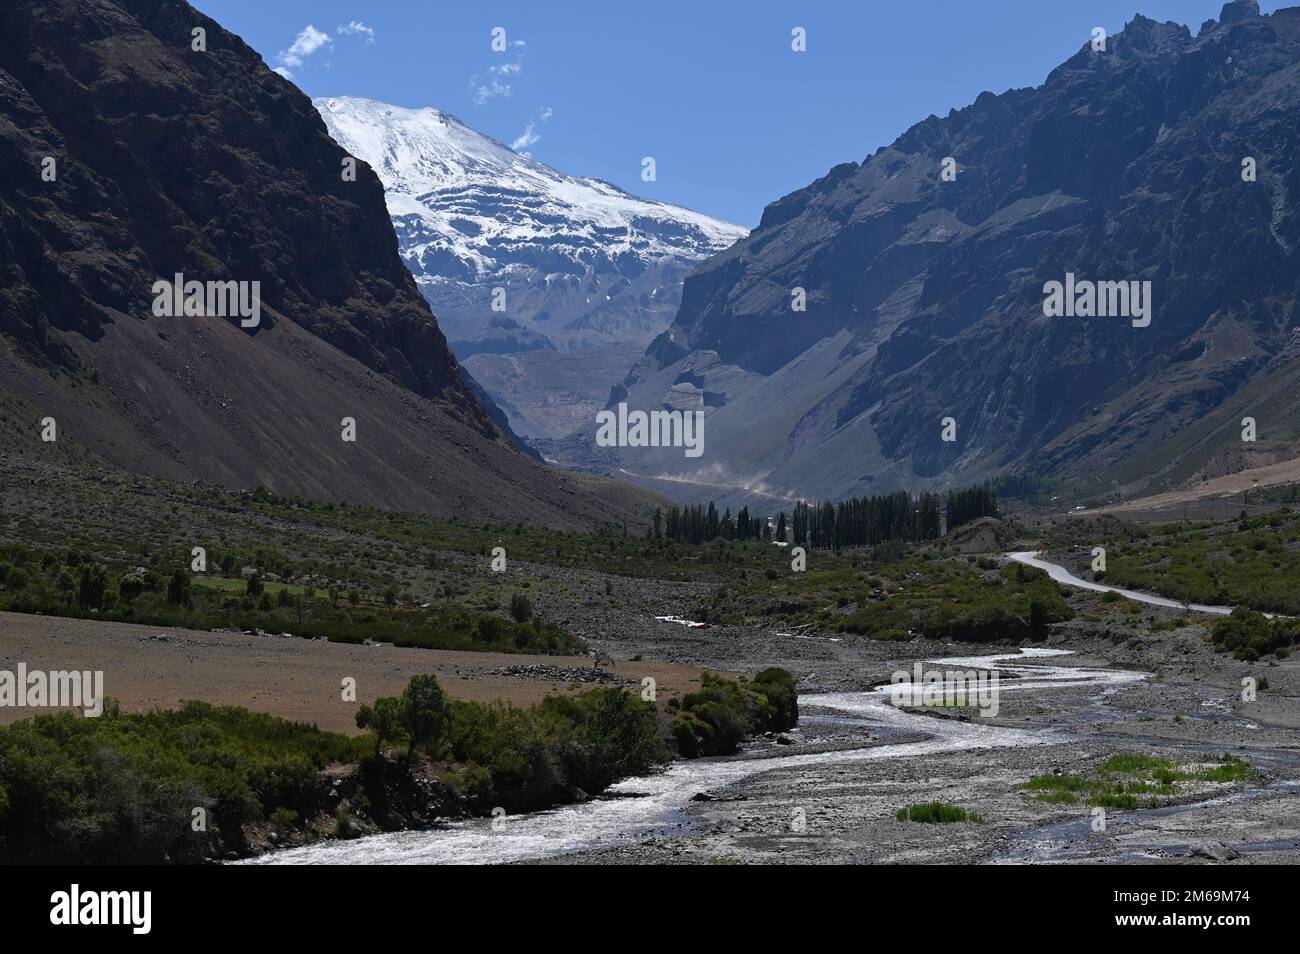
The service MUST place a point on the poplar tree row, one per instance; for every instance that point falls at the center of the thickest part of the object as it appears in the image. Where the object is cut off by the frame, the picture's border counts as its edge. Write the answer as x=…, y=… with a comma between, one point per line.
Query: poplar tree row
x=695, y=523
x=857, y=522
x=867, y=521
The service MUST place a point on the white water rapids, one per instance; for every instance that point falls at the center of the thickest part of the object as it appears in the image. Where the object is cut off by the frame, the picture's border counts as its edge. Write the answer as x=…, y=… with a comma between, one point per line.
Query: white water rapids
x=646, y=806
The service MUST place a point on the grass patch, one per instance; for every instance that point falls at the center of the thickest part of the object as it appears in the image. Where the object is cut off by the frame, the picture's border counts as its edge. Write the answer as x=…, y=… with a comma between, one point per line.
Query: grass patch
x=1133, y=780
x=936, y=813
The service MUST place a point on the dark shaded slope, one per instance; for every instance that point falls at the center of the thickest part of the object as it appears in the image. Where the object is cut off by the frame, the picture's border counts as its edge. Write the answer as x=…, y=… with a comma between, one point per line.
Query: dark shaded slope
x=172, y=159
x=927, y=295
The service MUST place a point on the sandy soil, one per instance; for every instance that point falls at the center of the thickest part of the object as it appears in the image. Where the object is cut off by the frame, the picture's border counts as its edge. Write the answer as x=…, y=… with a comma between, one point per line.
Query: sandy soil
x=149, y=666
x=1215, y=499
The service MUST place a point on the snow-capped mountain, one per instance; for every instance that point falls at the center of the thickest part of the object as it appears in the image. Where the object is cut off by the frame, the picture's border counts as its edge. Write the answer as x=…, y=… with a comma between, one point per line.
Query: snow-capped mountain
x=584, y=265
x=581, y=260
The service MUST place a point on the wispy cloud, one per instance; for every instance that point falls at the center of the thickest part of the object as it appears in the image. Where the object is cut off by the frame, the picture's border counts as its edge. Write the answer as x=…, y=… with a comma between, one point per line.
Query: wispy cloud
x=496, y=80
x=357, y=28
x=309, y=40
x=530, y=136
x=526, y=139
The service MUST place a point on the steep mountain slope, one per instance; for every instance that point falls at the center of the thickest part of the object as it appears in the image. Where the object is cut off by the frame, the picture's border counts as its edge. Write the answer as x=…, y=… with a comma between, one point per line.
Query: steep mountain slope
x=583, y=264
x=926, y=296
x=135, y=150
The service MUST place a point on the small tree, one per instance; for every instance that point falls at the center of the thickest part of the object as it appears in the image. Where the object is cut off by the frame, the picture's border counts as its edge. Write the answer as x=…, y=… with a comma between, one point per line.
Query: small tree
x=130, y=586
x=521, y=611
x=91, y=586
x=384, y=719
x=178, y=587
x=424, y=712
x=419, y=715
x=1037, y=617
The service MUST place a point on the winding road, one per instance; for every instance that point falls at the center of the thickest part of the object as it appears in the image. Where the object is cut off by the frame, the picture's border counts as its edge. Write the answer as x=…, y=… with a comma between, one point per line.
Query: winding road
x=1061, y=575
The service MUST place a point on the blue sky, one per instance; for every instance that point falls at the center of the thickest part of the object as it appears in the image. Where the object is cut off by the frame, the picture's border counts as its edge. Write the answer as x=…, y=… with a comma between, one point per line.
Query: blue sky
x=711, y=88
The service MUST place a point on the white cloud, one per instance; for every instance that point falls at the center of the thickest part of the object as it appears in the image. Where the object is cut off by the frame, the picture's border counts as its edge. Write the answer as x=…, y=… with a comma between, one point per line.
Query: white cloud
x=530, y=136
x=310, y=39
x=526, y=139
x=357, y=28
x=489, y=90
x=304, y=45
x=497, y=80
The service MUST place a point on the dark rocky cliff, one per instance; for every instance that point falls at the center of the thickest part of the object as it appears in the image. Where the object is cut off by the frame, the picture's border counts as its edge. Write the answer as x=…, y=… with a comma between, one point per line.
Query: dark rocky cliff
x=925, y=296
x=204, y=162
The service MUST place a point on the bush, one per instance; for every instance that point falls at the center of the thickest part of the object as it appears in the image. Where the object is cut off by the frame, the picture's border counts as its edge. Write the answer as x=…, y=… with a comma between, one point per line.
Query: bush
x=91, y=586
x=714, y=719
x=521, y=611
x=1248, y=635
x=418, y=716
x=284, y=818
x=525, y=759
x=604, y=735
x=178, y=587
x=779, y=687
x=130, y=587
x=121, y=789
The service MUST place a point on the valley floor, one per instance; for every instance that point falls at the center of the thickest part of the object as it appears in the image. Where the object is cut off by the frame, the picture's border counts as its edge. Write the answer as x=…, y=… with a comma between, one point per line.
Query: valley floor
x=1157, y=692
x=1192, y=710
x=1188, y=706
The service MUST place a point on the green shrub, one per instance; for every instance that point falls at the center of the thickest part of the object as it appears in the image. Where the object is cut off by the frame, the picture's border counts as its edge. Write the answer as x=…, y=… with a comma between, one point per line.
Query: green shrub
x=521, y=611
x=714, y=719
x=936, y=813
x=284, y=817
x=1248, y=635
x=122, y=788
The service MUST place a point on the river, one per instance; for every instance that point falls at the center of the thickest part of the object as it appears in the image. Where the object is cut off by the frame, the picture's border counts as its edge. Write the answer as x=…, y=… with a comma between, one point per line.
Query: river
x=641, y=807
